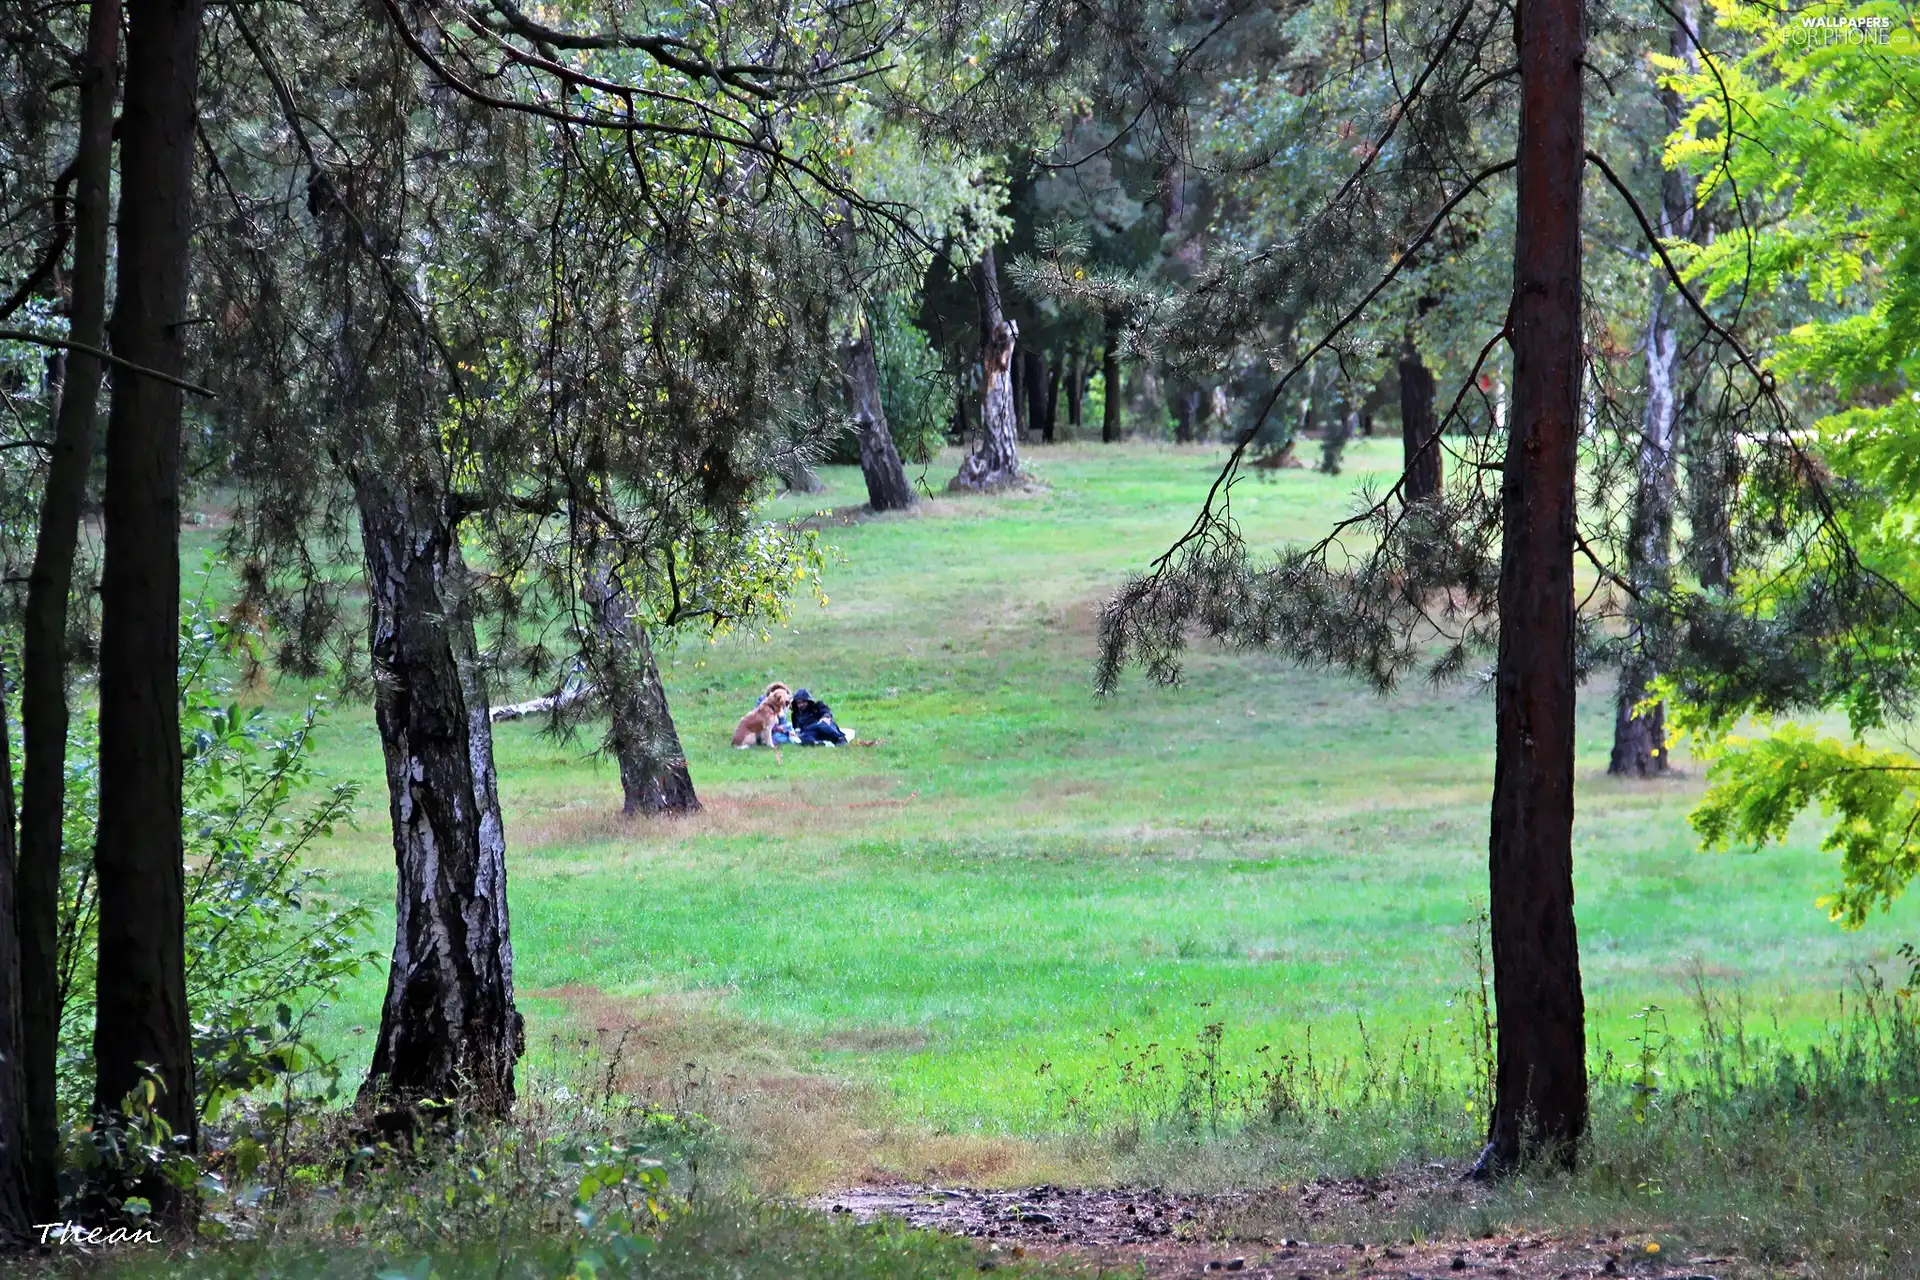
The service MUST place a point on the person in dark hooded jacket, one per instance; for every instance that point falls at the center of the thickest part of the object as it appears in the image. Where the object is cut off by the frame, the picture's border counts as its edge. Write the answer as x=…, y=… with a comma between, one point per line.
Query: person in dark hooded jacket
x=813, y=724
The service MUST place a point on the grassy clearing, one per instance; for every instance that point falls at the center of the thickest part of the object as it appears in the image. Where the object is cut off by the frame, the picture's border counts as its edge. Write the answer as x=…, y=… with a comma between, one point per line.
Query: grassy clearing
x=896, y=938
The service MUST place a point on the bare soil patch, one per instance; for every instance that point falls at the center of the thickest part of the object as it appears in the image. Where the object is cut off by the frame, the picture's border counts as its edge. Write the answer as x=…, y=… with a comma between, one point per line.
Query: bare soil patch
x=1161, y=1234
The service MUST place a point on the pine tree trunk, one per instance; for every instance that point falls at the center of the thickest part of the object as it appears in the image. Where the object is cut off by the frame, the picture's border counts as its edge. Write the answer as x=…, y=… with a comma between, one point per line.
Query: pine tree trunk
x=17, y=1211
x=141, y=995
x=1110, y=420
x=1540, y=1094
x=1052, y=401
x=654, y=778
x=1076, y=390
x=1017, y=377
x=1185, y=405
x=1035, y=380
x=995, y=460
x=887, y=486
x=44, y=663
x=1417, y=427
x=448, y=1028
x=1640, y=738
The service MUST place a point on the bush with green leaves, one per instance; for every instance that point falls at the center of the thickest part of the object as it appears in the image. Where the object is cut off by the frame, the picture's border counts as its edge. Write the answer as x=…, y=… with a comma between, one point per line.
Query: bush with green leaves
x=266, y=950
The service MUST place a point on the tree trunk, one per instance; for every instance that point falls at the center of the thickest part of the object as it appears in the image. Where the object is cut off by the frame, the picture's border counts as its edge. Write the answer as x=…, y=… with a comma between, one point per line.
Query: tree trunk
x=797, y=473
x=1640, y=737
x=1076, y=390
x=995, y=460
x=1052, y=401
x=17, y=1211
x=1341, y=425
x=887, y=486
x=1417, y=427
x=141, y=1008
x=1110, y=421
x=654, y=778
x=44, y=674
x=1540, y=1093
x=449, y=1028
x=1035, y=379
x=1017, y=375
x=1184, y=402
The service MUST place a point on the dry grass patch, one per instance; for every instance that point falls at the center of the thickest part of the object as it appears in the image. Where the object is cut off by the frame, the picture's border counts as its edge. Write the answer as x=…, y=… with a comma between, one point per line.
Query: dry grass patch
x=796, y=1129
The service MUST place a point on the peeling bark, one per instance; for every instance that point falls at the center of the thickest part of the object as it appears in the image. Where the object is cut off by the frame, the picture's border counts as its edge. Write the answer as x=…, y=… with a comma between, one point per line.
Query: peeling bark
x=887, y=485
x=1540, y=1086
x=448, y=1028
x=1640, y=736
x=994, y=461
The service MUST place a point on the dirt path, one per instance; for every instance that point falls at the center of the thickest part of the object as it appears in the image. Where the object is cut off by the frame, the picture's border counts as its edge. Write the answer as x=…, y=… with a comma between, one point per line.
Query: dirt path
x=1169, y=1235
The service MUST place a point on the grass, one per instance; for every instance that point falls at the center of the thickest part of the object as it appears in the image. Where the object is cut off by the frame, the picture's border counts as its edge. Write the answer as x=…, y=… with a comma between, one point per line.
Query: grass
x=907, y=933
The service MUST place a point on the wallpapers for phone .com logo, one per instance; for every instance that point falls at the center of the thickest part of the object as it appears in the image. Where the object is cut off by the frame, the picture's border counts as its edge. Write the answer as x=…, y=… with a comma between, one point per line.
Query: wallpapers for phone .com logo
x=1878, y=32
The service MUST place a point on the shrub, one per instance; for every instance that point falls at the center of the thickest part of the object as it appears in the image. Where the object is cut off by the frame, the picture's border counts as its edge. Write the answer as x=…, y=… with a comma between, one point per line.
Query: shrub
x=265, y=951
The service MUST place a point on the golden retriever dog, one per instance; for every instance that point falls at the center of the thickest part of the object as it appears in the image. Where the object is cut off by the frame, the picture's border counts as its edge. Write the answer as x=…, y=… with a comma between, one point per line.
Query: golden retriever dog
x=756, y=727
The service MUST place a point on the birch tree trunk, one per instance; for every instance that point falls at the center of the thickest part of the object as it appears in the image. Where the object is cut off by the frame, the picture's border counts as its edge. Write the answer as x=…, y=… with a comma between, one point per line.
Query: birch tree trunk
x=994, y=462
x=654, y=777
x=448, y=1028
x=1540, y=1085
x=141, y=1022
x=887, y=485
x=44, y=659
x=1640, y=736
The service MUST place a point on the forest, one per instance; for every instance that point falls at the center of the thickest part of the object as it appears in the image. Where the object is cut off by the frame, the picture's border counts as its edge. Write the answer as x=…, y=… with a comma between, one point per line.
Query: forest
x=1245, y=505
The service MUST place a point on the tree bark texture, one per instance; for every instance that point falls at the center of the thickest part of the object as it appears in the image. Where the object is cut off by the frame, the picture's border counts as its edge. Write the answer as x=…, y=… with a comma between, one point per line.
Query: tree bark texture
x=887, y=486
x=994, y=461
x=141, y=1006
x=1540, y=1095
x=1417, y=427
x=654, y=777
x=1640, y=736
x=17, y=1211
x=44, y=661
x=448, y=1028
x=1110, y=417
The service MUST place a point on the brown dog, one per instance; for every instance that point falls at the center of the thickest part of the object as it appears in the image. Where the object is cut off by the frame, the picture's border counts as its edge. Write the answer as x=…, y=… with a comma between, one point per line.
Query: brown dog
x=756, y=727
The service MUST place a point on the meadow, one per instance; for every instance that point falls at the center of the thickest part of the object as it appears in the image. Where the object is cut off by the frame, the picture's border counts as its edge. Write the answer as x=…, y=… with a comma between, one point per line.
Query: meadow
x=918, y=956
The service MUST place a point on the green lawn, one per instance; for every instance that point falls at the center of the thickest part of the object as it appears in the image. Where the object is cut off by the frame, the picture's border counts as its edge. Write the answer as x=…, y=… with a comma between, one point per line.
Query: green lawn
x=1018, y=868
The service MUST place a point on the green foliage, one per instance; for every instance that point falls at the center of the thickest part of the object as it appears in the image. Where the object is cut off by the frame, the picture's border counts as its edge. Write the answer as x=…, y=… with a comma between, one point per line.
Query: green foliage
x=914, y=387
x=1872, y=795
x=1827, y=121
x=265, y=949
